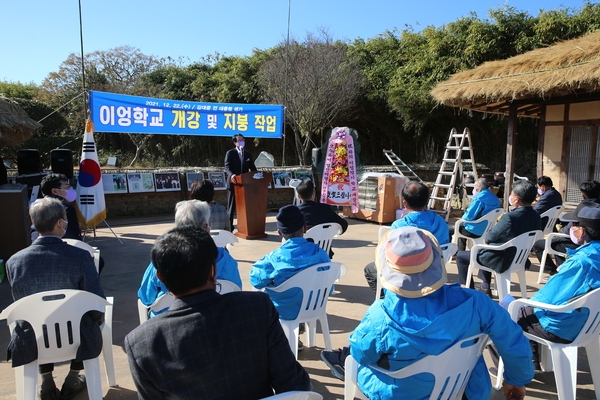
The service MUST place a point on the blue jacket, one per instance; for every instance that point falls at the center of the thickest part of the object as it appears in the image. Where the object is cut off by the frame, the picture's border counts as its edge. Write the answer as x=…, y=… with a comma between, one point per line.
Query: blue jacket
x=427, y=220
x=281, y=264
x=152, y=288
x=481, y=204
x=579, y=274
x=407, y=330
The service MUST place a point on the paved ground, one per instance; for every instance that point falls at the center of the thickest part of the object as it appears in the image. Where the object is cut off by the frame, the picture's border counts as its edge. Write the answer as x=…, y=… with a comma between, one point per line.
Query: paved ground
x=126, y=263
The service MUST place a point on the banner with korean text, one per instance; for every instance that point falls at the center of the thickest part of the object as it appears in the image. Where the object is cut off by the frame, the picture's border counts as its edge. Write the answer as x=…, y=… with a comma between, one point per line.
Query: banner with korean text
x=121, y=113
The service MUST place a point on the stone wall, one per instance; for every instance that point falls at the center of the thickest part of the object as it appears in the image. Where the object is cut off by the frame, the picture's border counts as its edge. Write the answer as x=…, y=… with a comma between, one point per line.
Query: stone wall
x=161, y=203
x=157, y=203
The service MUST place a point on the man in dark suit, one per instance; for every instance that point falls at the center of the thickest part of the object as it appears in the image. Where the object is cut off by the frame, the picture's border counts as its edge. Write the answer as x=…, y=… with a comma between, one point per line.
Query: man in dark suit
x=51, y=264
x=549, y=197
x=316, y=213
x=522, y=219
x=237, y=161
x=208, y=346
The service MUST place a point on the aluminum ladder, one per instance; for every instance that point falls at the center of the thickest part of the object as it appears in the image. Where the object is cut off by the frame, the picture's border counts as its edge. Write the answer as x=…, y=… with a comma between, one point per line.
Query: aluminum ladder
x=401, y=167
x=452, y=171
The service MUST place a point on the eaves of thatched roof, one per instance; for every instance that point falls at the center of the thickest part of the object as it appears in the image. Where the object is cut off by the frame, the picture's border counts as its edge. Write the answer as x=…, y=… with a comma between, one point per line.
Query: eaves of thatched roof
x=564, y=70
x=15, y=124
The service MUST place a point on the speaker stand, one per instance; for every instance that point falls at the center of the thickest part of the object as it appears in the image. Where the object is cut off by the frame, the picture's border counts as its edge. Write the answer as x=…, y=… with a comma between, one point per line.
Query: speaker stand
x=94, y=230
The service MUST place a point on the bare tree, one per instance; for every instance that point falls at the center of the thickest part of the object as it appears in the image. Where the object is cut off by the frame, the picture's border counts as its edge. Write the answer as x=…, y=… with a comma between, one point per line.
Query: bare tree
x=315, y=80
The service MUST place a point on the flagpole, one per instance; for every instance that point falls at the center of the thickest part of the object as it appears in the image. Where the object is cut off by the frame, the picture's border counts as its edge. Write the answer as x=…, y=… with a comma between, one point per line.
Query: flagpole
x=85, y=114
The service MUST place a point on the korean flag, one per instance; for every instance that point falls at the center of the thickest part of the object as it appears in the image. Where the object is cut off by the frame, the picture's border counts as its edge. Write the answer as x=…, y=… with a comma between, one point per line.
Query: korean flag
x=90, y=193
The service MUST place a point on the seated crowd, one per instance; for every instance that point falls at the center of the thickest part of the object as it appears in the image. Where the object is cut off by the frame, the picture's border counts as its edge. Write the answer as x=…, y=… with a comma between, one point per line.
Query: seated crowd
x=211, y=345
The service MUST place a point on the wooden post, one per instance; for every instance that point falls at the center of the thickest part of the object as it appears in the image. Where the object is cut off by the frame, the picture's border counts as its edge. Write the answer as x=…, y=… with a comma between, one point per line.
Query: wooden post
x=510, y=153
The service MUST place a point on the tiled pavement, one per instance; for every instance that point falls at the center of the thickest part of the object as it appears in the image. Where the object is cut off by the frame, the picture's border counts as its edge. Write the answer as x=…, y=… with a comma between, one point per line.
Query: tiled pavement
x=126, y=263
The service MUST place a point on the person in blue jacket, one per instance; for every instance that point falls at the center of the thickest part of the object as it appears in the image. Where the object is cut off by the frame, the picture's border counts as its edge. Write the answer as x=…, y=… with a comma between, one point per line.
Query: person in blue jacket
x=195, y=213
x=521, y=219
x=482, y=203
x=415, y=196
x=291, y=257
x=419, y=316
x=579, y=274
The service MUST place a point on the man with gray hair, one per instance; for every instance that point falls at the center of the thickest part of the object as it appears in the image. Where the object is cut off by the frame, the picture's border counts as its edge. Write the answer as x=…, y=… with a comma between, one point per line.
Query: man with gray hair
x=482, y=203
x=194, y=213
x=51, y=264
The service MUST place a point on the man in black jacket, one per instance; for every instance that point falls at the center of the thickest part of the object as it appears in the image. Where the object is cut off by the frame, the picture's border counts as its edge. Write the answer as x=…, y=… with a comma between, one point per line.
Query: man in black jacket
x=316, y=213
x=523, y=218
x=237, y=161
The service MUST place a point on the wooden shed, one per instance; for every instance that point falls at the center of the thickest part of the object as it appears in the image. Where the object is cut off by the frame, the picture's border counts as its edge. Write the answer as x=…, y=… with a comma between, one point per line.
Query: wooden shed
x=560, y=85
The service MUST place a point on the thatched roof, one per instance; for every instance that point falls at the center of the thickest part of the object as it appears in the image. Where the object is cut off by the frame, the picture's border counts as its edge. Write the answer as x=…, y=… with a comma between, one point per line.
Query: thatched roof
x=565, y=69
x=15, y=125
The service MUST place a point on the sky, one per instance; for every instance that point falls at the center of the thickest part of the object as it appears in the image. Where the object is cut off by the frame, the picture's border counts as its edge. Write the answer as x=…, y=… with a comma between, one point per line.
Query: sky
x=38, y=35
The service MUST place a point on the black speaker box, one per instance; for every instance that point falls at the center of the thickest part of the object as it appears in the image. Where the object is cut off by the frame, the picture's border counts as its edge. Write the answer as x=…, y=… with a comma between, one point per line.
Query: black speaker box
x=61, y=161
x=29, y=161
x=16, y=232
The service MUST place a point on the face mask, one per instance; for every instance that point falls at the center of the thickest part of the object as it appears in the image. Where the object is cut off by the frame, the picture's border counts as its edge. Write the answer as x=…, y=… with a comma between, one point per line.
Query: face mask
x=475, y=192
x=67, y=225
x=241, y=144
x=512, y=201
x=574, y=238
x=70, y=195
x=540, y=191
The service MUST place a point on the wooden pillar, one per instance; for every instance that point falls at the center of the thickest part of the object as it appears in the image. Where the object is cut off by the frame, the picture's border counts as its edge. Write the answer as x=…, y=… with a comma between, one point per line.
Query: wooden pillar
x=510, y=153
x=541, y=138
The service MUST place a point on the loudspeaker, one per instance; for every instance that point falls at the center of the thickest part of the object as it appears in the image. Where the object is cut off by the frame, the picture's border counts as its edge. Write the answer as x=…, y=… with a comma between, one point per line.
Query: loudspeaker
x=61, y=161
x=317, y=156
x=16, y=232
x=29, y=161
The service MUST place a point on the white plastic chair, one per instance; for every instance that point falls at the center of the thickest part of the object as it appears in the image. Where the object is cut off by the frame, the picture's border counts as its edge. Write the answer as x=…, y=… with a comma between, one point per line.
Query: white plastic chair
x=294, y=185
x=382, y=231
x=491, y=218
x=552, y=215
x=316, y=283
x=160, y=303
x=61, y=310
x=523, y=244
x=224, y=286
x=295, y=395
x=562, y=358
x=454, y=365
x=549, y=250
x=94, y=252
x=323, y=234
x=448, y=250
x=222, y=238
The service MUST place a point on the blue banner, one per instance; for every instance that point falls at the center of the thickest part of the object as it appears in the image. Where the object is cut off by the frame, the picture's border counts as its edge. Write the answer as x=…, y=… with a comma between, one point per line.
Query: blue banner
x=121, y=113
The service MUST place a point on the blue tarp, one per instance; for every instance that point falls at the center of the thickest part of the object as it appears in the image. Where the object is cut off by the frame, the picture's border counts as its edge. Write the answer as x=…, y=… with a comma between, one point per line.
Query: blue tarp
x=121, y=113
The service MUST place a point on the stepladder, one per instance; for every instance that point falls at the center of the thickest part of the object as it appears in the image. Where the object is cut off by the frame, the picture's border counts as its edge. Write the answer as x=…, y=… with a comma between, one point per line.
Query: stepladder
x=457, y=163
x=401, y=167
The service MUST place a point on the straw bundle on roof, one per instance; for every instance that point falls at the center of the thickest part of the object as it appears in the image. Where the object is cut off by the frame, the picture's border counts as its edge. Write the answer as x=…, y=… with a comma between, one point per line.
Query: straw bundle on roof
x=567, y=68
x=15, y=125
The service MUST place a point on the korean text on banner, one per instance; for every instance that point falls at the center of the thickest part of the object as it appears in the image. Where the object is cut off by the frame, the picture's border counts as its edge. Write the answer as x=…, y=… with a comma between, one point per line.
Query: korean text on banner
x=132, y=114
x=339, y=185
x=90, y=193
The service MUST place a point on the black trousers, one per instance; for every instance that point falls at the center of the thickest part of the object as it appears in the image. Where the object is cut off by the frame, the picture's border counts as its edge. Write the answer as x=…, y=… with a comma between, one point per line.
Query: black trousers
x=531, y=324
x=75, y=365
x=558, y=244
x=231, y=207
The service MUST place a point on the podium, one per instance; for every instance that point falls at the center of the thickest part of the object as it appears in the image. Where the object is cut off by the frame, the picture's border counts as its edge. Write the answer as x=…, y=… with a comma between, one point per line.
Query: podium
x=251, y=204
